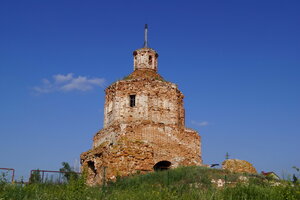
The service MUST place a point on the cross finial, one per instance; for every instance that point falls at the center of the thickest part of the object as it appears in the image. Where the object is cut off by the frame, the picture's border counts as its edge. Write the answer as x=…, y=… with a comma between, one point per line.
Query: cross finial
x=146, y=36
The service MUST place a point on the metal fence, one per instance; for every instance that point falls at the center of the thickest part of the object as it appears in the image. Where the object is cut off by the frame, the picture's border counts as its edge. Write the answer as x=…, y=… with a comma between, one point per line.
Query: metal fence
x=38, y=176
x=48, y=176
x=7, y=174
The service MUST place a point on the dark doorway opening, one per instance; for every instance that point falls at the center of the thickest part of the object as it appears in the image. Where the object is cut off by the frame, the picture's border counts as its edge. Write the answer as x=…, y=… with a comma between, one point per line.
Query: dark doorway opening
x=162, y=165
x=91, y=166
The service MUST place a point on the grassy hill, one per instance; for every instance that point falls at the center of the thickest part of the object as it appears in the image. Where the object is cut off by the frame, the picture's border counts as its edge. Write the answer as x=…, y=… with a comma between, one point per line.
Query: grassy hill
x=181, y=183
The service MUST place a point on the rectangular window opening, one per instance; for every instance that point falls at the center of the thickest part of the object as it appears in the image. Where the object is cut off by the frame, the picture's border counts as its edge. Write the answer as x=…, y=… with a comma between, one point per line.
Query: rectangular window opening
x=132, y=100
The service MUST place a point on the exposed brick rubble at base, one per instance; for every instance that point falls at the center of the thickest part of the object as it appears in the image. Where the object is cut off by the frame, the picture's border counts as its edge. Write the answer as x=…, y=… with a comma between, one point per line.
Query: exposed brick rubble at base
x=239, y=166
x=131, y=150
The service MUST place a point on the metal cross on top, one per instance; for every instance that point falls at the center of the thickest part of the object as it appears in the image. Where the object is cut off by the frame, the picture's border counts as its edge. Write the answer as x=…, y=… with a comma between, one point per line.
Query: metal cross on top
x=146, y=36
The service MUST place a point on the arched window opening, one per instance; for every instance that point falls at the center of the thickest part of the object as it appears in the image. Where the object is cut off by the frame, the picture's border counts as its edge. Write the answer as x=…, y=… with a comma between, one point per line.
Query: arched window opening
x=162, y=165
x=132, y=100
x=135, y=55
x=91, y=166
x=150, y=60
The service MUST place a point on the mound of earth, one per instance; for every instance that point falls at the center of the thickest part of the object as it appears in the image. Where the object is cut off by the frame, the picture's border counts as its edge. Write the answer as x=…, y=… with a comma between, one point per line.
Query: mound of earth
x=235, y=165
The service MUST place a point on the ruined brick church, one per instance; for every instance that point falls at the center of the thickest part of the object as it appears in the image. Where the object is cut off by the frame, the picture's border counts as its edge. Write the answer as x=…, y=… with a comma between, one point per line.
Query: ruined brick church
x=144, y=125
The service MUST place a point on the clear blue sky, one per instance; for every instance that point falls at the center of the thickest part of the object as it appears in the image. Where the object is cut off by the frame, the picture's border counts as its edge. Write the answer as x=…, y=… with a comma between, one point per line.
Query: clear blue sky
x=237, y=63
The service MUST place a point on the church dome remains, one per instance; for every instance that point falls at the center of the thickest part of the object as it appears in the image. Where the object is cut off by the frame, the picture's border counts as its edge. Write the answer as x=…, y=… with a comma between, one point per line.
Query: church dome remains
x=144, y=126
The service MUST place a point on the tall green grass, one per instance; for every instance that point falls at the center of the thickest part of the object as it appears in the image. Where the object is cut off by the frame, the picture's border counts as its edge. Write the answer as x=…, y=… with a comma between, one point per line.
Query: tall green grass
x=181, y=183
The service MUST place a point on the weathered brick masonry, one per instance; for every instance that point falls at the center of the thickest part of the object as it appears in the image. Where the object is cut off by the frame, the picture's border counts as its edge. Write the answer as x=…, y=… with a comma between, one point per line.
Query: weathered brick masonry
x=144, y=126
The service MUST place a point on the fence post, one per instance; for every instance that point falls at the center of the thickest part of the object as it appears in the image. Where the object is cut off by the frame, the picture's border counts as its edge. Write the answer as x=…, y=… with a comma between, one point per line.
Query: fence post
x=42, y=177
x=104, y=175
x=13, y=176
x=168, y=178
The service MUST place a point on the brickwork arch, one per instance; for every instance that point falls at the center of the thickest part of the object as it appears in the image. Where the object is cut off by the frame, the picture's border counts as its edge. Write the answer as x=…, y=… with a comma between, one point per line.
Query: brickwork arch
x=162, y=165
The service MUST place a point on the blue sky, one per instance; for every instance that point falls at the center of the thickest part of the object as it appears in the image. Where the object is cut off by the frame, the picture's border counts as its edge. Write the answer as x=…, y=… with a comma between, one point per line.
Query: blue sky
x=237, y=63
